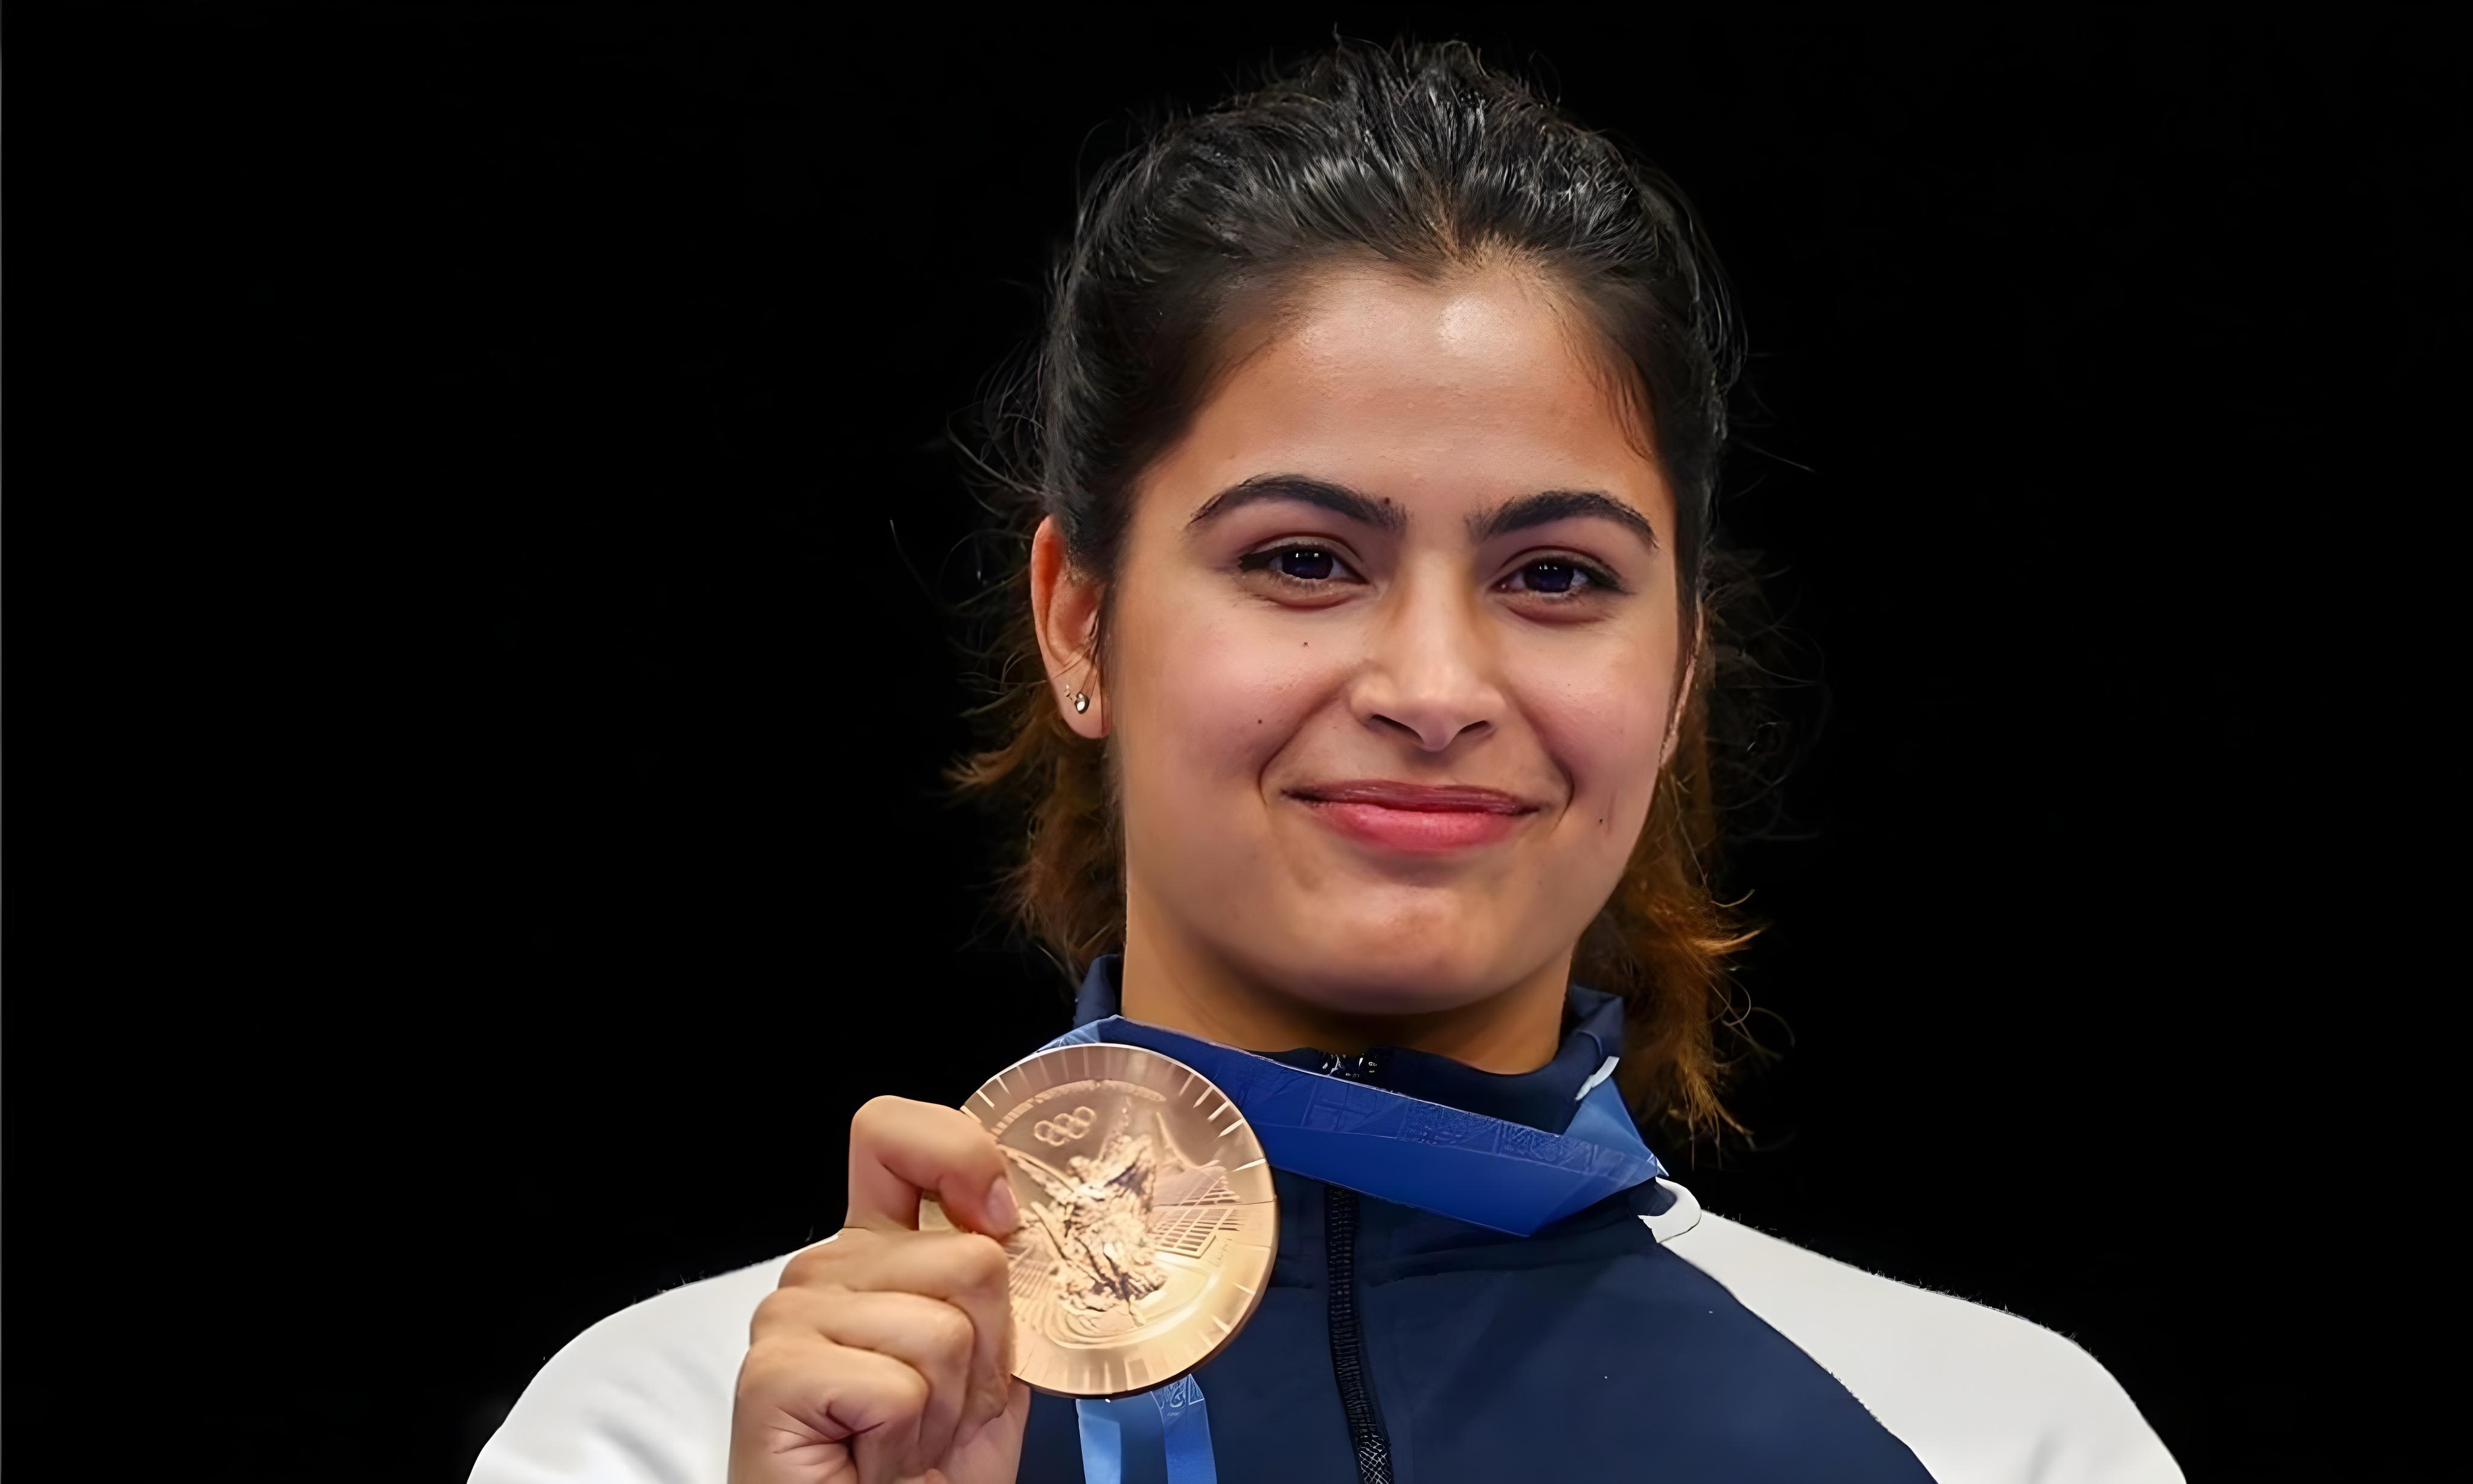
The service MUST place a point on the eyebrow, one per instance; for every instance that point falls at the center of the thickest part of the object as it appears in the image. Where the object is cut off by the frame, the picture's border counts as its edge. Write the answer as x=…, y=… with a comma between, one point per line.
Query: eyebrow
x=1338, y=499
x=1547, y=506
x=1543, y=508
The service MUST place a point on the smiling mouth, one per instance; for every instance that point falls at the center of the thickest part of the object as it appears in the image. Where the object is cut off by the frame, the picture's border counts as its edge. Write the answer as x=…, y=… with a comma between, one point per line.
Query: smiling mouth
x=1415, y=819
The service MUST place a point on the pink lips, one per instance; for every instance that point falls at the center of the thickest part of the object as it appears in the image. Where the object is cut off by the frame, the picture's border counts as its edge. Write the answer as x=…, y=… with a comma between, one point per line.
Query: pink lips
x=1415, y=818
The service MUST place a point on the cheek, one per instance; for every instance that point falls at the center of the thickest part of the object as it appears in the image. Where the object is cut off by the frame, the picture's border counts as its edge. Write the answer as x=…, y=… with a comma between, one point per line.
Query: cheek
x=1210, y=691
x=1604, y=729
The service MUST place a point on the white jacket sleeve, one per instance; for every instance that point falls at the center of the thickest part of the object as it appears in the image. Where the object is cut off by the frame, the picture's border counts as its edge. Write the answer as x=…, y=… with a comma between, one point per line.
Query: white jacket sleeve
x=641, y=1398
x=1983, y=1397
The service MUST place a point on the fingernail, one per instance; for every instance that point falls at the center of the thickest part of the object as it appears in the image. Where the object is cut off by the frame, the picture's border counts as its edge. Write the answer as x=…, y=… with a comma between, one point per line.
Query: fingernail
x=1001, y=1206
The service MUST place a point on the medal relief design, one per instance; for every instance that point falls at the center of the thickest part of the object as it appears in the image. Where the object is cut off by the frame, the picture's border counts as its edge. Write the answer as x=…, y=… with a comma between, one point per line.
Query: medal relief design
x=1148, y=1216
x=1113, y=1223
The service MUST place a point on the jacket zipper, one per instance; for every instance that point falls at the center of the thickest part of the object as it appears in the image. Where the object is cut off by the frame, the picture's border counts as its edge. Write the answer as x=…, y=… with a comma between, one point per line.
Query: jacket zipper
x=1347, y=1339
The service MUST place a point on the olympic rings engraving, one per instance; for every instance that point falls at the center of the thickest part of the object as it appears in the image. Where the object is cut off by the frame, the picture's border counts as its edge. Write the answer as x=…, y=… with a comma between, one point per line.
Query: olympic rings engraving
x=1064, y=1130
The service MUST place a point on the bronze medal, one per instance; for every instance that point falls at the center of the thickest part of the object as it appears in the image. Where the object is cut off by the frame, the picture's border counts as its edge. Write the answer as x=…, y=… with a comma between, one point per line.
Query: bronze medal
x=1148, y=1217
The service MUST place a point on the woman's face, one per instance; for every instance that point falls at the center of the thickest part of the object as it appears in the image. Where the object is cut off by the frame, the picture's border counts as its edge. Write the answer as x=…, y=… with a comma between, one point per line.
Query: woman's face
x=1393, y=648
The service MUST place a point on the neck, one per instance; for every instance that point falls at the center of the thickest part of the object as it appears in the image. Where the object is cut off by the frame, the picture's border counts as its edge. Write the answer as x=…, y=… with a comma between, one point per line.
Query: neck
x=1172, y=981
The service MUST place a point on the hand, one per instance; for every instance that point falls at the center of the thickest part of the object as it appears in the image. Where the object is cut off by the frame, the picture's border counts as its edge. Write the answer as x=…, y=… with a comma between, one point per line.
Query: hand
x=886, y=1353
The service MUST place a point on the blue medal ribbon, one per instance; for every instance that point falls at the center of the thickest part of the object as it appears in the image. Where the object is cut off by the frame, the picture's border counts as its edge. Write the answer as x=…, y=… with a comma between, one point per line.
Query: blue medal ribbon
x=1170, y=1419
x=1486, y=1171
x=1489, y=1172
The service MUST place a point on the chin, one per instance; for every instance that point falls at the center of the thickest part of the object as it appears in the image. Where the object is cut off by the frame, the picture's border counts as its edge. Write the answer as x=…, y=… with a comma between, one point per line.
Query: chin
x=1400, y=972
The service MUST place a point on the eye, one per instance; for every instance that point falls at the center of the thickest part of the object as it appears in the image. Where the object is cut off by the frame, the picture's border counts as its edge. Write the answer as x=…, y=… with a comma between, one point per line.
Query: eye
x=1298, y=564
x=1563, y=578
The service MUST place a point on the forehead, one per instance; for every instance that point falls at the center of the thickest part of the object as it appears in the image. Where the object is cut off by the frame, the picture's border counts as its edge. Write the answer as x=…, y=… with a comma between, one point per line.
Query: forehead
x=1480, y=387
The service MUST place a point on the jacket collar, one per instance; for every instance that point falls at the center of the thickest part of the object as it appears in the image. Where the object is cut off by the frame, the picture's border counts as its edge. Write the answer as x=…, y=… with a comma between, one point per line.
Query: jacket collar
x=1542, y=1099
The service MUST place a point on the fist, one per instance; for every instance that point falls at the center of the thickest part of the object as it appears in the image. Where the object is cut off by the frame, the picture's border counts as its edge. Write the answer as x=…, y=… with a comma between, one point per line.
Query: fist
x=886, y=1352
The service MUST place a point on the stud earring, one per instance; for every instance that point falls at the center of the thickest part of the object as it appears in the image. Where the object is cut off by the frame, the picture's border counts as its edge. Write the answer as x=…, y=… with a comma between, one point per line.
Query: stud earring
x=1081, y=702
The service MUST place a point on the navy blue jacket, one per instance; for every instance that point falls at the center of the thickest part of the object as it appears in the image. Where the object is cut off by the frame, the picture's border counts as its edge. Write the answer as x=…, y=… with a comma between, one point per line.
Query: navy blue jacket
x=1394, y=1344
x=1641, y=1338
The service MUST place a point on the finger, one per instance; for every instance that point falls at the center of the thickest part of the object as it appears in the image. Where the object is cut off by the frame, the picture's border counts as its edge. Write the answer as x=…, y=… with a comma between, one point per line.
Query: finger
x=901, y=1149
x=1015, y=1415
x=929, y=1335
x=796, y=1396
x=965, y=1270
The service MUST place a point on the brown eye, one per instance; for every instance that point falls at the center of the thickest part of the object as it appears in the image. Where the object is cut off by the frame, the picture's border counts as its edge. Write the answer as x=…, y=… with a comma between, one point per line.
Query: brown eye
x=1564, y=578
x=1312, y=565
x=1550, y=576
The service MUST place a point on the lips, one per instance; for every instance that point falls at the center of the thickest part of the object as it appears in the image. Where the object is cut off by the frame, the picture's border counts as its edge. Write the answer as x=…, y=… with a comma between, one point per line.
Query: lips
x=1439, y=798
x=1415, y=818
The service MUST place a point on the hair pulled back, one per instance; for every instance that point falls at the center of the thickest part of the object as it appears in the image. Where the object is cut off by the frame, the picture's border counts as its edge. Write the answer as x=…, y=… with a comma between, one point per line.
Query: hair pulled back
x=1422, y=158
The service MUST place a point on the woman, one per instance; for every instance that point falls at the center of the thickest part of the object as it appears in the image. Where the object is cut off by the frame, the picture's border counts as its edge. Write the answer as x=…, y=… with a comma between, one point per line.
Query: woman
x=1372, y=454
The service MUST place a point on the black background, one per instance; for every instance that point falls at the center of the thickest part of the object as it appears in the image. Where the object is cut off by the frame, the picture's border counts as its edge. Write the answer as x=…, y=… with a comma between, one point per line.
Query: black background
x=479, y=526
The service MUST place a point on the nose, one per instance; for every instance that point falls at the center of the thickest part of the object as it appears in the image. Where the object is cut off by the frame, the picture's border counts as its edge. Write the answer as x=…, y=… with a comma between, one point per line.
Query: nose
x=1429, y=671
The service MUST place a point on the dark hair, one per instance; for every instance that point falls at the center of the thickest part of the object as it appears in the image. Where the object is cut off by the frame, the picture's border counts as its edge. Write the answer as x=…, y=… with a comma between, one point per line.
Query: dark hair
x=1422, y=158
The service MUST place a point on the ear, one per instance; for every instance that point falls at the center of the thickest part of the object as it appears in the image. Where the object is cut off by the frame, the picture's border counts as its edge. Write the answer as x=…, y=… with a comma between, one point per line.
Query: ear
x=1682, y=701
x=1065, y=610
